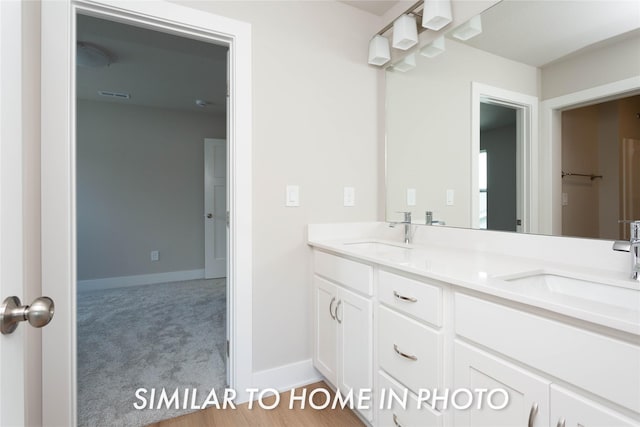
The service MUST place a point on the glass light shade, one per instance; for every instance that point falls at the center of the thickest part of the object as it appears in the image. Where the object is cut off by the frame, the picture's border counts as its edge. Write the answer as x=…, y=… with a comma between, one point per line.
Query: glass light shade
x=405, y=32
x=407, y=63
x=433, y=49
x=379, y=52
x=469, y=29
x=436, y=14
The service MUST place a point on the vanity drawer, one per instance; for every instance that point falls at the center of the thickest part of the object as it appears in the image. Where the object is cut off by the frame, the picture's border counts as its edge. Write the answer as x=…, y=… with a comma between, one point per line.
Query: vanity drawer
x=417, y=299
x=351, y=274
x=393, y=414
x=602, y=365
x=408, y=350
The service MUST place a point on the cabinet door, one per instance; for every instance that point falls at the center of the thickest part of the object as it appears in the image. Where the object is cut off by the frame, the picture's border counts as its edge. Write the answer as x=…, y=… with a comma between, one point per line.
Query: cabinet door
x=326, y=337
x=572, y=410
x=528, y=393
x=355, y=348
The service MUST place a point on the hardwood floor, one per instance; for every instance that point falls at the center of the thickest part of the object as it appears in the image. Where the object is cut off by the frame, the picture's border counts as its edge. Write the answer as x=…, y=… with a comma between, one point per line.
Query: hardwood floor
x=280, y=416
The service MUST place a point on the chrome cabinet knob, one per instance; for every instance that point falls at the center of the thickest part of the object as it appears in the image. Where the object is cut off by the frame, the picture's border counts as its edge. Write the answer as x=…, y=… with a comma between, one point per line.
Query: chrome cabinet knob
x=38, y=314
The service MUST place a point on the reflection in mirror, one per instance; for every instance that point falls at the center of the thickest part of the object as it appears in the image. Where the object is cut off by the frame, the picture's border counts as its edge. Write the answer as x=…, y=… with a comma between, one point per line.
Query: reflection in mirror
x=440, y=131
x=601, y=168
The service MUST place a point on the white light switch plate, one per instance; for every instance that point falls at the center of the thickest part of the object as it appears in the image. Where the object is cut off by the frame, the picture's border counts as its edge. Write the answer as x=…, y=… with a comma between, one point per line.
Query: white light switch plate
x=349, y=196
x=292, y=196
x=450, y=195
x=411, y=196
x=565, y=199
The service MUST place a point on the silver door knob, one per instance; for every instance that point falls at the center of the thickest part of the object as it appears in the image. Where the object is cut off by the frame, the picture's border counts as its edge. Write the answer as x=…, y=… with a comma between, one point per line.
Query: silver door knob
x=38, y=314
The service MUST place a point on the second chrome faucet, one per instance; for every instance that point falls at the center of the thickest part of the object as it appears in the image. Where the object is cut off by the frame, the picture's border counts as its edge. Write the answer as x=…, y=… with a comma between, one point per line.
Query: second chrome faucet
x=407, y=226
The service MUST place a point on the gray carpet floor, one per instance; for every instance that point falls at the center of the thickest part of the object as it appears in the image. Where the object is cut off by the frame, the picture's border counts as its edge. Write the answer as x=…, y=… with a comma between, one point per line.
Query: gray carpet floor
x=169, y=335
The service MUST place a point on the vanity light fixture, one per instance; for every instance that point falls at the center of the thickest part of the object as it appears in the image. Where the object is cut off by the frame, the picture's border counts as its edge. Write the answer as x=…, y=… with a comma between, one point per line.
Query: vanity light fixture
x=433, y=49
x=407, y=63
x=469, y=29
x=405, y=32
x=379, y=53
x=436, y=14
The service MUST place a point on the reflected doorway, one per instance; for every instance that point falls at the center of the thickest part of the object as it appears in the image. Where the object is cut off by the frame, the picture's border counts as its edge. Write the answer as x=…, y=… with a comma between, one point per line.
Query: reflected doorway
x=601, y=168
x=499, y=168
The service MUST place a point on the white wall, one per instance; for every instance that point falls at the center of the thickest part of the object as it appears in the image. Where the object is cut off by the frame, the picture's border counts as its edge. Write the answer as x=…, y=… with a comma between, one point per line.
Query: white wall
x=140, y=187
x=594, y=67
x=314, y=109
x=429, y=127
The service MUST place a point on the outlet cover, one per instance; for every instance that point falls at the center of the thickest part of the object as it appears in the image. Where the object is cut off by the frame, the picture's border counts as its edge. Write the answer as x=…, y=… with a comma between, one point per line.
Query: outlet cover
x=155, y=255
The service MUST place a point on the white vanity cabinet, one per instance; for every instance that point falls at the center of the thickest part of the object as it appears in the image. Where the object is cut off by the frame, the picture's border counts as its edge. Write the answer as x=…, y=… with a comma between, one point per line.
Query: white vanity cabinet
x=528, y=393
x=383, y=326
x=562, y=353
x=343, y=344
x=410, y=346
x=571, y=409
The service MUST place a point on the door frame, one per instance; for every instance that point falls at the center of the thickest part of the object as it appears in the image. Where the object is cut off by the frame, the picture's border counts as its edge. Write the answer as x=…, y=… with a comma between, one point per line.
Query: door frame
x=527, y=158
x=551, y=145
x=59, y=180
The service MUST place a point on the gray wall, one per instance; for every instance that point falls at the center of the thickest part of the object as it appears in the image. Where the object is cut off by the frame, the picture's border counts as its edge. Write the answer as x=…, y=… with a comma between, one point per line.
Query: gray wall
x=500, y=145
x=140, y=188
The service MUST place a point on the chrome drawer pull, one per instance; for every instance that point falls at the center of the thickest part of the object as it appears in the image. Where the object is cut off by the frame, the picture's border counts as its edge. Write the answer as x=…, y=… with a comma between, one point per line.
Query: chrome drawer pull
x=403, y=298
x=561, y=422
x=337, y=307
x=395, y=421
x=331, y=305
x=532, y=414
x=406, y=356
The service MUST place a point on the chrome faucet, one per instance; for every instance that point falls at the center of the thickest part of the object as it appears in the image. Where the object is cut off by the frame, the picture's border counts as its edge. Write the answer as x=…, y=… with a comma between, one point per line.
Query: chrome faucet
x=633, y=246
x=407, y=226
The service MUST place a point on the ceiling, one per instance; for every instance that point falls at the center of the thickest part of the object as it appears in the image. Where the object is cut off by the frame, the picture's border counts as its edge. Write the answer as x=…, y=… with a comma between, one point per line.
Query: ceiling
x=156, y=69
x=494, y=116
x=376, y=7
x=540, y=32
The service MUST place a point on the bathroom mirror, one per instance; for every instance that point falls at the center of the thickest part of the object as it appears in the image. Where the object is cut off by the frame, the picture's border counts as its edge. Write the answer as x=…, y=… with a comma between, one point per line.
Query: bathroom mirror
x=466, y=133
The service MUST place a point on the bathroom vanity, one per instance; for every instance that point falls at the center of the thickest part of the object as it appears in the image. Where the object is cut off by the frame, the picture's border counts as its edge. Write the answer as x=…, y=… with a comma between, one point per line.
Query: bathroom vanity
x=450, y=313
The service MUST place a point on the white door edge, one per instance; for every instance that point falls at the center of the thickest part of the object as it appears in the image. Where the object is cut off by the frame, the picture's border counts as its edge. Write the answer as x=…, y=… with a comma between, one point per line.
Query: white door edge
x=58, y=181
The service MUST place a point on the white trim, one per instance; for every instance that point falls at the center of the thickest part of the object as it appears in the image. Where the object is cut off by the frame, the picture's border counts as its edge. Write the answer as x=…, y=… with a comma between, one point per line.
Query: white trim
x=528, y=106
x=551, y=144
x=286, y=377
x=58, y=180
x=138, y=280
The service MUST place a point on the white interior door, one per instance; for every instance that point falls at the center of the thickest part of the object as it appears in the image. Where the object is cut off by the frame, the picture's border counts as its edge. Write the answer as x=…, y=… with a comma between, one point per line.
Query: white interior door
x=12, y=348
x=20, y=352
x=215, y=208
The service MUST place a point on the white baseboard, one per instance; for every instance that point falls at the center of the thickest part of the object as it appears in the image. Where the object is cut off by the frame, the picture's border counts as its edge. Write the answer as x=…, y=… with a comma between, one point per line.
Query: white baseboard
x=284, y=378
x=138, y=280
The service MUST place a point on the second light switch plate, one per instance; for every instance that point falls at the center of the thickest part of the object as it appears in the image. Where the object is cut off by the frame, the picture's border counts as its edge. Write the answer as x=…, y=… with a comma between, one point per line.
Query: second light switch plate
x=349, y=196
x=292, y=196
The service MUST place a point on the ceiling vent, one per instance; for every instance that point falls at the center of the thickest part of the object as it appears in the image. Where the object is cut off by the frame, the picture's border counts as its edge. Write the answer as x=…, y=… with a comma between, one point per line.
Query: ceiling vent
x=114, y=94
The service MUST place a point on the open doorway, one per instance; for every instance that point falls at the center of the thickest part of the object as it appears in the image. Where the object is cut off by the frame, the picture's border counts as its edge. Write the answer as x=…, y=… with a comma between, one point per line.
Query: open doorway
x=149, y=313
x=499, y=171
x=600, y=164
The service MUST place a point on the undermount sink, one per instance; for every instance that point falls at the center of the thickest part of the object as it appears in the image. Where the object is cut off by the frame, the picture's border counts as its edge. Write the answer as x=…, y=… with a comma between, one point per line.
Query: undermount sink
x=378, y=245
x=390, y=251
x=578, y=288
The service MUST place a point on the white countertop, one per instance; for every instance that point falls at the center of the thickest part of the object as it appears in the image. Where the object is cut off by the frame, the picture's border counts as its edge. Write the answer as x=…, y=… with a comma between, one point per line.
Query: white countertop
x=618, y=307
